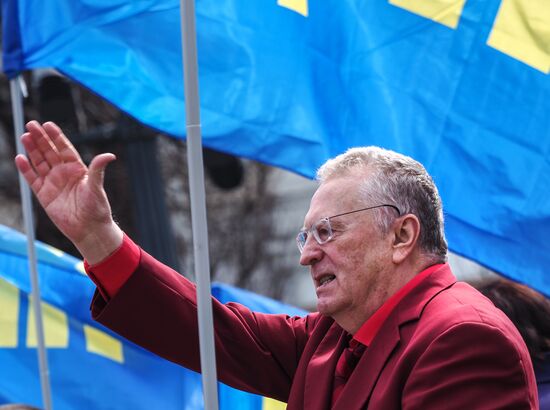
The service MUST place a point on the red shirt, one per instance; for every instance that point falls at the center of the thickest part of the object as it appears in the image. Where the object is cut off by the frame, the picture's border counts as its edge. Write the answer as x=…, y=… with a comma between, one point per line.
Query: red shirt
x=111, y=273
x=369, y=329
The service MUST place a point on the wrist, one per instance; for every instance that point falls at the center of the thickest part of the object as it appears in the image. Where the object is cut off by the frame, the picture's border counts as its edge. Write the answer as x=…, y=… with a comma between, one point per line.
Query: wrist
x=100, y=242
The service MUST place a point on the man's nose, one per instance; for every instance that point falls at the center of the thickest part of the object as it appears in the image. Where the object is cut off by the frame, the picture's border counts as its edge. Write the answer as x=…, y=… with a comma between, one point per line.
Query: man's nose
x=311, y=253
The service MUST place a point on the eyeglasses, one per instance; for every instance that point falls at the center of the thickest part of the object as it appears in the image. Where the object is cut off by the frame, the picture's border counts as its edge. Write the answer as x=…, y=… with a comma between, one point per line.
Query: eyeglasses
x=322, y=231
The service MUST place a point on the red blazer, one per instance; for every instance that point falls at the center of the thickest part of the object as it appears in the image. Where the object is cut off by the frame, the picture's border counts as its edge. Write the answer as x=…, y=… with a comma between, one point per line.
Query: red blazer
x=445, y=346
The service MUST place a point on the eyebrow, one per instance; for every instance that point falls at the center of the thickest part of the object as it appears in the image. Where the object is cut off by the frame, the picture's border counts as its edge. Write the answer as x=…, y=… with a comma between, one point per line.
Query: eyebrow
x=335, y=224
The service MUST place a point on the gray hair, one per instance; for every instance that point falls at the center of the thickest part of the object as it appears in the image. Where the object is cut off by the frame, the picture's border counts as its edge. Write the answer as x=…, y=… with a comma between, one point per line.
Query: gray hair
x=387, y=177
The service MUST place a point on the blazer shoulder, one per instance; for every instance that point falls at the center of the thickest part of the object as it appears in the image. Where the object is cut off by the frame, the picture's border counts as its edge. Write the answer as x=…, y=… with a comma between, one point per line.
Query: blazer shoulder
x=459, y=334
x=460, y=303
x=461, y=309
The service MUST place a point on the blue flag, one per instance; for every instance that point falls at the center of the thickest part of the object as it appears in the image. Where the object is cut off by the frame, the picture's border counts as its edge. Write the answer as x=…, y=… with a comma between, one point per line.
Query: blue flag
x=462, y=86
x=90, y=367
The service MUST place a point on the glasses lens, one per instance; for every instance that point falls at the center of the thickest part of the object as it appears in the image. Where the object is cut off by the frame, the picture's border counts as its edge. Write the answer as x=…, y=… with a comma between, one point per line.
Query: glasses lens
x=322, y=231
x=301, y=240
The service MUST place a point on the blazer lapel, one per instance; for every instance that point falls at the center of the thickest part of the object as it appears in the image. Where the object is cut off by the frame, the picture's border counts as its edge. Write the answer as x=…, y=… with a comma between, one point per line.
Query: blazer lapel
x=320, y=370
x=363, y=379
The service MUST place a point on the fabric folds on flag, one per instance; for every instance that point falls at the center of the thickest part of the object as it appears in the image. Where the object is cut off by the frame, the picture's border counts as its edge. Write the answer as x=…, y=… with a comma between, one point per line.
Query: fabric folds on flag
x=92, y=368
x=462, y=86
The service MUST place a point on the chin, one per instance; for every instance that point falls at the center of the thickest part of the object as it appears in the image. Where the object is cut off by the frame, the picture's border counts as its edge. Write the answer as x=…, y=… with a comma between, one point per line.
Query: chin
x=325, y=308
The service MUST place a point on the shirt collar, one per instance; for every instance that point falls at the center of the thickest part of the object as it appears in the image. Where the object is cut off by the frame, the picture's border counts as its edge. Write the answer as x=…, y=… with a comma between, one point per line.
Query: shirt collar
x=370, y=328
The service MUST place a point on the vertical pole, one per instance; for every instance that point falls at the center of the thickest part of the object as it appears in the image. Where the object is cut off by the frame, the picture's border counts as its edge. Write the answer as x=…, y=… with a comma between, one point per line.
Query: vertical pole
x=18, y=120
x=198, y=205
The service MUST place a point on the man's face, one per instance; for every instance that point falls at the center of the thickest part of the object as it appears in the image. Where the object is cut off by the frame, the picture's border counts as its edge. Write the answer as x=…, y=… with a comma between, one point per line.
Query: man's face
x=349, y=271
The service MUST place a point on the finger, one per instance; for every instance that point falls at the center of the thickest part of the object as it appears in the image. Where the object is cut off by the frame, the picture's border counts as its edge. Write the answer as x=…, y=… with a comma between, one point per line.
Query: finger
x=66, y=150
x=34, y=155
x=43, y=143
x=97, y=167
x=23, y=165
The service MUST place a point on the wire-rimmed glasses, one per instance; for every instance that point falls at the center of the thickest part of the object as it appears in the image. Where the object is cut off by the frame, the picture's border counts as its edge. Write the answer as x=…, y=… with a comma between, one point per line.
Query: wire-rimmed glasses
x=322, y=231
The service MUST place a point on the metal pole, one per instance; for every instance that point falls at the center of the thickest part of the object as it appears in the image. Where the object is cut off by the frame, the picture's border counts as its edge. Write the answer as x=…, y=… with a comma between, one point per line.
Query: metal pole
x=198, y=205
x=18, y=120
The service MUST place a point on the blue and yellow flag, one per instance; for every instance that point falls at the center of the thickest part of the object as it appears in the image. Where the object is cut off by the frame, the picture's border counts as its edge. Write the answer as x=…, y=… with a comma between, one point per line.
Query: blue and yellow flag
x=462, y=86
x=90, y=367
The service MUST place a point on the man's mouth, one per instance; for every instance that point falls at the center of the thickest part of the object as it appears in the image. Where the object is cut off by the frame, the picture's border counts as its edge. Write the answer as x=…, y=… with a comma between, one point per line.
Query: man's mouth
x=326, y=279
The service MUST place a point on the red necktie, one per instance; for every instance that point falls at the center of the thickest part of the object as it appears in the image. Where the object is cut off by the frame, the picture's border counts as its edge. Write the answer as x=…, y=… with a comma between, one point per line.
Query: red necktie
x=346, y=363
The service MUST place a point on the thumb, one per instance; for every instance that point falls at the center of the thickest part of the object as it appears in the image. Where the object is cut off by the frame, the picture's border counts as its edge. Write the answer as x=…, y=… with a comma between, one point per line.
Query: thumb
x=96, y=171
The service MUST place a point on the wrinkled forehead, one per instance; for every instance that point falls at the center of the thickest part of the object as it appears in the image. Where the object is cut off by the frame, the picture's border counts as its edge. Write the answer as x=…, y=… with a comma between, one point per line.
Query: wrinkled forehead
x=332, y=197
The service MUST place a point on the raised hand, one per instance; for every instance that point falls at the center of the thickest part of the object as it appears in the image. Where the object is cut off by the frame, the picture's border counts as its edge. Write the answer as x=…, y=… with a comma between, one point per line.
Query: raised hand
x=71, y=193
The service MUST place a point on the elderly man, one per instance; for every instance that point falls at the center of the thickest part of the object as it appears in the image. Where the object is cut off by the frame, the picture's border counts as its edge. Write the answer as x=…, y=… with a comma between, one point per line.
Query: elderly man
x=394, y=329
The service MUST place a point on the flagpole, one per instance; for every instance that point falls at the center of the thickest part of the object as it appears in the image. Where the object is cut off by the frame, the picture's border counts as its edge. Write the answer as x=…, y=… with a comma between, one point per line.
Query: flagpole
x=198, y=204
x=18, y=121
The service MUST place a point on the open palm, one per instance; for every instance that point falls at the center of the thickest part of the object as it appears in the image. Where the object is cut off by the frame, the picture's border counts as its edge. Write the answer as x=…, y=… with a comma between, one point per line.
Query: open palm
x=71, y=193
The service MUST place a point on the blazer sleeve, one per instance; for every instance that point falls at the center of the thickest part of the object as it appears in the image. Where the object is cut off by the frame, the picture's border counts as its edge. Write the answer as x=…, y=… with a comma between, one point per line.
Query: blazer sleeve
x=471, y=363
x=156, y=309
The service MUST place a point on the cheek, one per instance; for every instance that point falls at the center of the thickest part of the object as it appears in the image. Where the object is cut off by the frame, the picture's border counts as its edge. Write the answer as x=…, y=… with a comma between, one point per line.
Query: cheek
x=351, y=263
x=357, y=253
x=359, y=257
x=364, y=262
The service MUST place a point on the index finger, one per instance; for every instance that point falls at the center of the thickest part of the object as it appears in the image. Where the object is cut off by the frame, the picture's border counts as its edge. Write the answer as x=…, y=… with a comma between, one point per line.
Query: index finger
x=40, y=149
x=66, y=150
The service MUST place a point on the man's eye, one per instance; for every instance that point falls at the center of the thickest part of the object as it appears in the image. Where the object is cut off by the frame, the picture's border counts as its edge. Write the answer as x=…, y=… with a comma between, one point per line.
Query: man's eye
x=323, y=232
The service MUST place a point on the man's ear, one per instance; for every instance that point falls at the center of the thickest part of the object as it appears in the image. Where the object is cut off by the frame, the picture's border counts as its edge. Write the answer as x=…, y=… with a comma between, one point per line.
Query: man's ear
x=406, y=231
